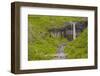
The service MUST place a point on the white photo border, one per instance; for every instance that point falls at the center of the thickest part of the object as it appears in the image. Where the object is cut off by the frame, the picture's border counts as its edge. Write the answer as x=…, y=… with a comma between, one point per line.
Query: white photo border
x=25, y=64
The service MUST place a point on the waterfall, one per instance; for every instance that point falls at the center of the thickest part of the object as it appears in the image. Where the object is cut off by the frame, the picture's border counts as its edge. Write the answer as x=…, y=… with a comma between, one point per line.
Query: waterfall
x=74, y=30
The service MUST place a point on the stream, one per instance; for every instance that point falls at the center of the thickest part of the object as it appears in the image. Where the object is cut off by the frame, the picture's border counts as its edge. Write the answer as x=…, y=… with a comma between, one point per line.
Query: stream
x=60, y=52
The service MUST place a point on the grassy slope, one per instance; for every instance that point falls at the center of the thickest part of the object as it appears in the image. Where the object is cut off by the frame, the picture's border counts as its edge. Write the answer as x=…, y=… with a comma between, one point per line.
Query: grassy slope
x=78, y=47
x=40, y=45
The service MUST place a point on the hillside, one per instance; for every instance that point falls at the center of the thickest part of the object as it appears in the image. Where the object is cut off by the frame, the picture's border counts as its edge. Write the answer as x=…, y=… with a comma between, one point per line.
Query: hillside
x=78, y=48
x=43, y=47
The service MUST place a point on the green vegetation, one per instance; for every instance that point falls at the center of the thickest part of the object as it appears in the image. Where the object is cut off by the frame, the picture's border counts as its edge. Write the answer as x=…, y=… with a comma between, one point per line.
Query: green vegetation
x=43, y=47
x=78, y=47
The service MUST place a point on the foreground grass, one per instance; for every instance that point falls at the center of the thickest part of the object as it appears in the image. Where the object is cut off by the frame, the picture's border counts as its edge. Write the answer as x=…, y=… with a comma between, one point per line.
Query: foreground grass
x=78, y=48
x=44, y=49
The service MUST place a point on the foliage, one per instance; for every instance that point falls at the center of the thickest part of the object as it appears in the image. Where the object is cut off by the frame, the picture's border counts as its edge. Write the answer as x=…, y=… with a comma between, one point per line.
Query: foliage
x=43, y=47
x=78, y=47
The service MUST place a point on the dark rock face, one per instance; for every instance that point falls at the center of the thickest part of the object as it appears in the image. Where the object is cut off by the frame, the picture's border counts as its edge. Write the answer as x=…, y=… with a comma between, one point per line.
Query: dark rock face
x=66, y=30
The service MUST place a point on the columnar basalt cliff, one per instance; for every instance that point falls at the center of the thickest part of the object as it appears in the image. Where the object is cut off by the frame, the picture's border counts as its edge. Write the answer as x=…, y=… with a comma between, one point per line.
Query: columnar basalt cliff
x=69, y=30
